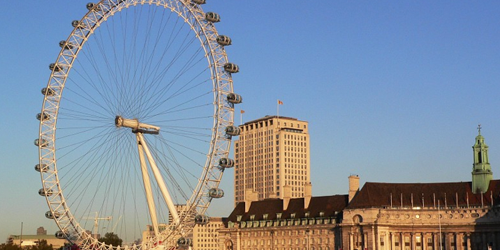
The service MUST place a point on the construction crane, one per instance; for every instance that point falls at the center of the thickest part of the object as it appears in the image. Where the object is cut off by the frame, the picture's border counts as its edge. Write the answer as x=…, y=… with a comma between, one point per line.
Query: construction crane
x=96, y=223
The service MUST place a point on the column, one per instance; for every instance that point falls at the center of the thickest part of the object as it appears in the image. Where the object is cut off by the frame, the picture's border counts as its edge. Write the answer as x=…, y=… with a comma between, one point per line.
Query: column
x=351, y=241
x=401, y=241
x=459, y=241
x=238, y=240
x=436, y=241
x=391, y=238
x=448, y=241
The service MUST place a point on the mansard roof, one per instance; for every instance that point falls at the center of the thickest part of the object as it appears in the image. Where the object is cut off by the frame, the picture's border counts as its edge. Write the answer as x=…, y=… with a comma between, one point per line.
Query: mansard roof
x=424, y=195
x=329, y=205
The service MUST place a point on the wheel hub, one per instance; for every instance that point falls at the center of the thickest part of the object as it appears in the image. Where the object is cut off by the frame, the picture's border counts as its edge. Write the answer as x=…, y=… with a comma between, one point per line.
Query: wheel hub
x=136, y=126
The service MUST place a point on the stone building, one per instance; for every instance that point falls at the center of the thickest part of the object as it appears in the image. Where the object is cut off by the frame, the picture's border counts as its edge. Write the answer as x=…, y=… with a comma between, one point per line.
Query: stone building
x=422, y=216
x=271, y=152
x=34, y=240
x=206, y=236
x=288, y=223
x=380, y=216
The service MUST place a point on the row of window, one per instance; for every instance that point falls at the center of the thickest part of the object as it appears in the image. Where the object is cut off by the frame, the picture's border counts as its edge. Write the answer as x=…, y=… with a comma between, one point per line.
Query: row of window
x=296, y=241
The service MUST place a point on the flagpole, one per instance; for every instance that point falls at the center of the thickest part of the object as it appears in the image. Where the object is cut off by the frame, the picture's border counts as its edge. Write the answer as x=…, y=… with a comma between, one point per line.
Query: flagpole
x=278, y=108
x=241, y=116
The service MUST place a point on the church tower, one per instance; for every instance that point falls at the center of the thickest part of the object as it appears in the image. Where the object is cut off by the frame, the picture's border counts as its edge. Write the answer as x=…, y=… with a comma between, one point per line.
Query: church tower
x=481, y=169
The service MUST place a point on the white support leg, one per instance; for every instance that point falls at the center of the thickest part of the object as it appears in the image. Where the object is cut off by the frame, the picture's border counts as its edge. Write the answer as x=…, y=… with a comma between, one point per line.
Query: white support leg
x=147, y=184
x=160, y=181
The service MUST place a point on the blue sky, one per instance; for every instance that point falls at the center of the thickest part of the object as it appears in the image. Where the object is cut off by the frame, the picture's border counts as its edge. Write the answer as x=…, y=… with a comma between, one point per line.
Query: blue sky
x=393, y=90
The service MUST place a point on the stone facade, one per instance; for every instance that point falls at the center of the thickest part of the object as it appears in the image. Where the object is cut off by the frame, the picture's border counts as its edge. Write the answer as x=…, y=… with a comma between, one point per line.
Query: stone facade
x=381, y=216
x=271, y=153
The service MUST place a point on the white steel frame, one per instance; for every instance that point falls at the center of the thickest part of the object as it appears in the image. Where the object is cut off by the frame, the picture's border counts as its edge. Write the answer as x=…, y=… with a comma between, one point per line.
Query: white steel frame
x=223, y=115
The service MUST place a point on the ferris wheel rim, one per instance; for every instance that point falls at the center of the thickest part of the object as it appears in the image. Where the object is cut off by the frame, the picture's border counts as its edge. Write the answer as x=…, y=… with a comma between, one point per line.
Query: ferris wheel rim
x=223, y=112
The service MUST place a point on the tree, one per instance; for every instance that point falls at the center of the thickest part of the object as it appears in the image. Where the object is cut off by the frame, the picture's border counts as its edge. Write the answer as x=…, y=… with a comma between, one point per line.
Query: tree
x=42, y=245
x=9, y=246
x=111, y=238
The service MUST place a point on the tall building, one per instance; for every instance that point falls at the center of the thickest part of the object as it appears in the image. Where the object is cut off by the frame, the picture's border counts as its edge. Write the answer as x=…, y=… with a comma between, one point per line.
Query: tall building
x=271, y=153
x=41, y=231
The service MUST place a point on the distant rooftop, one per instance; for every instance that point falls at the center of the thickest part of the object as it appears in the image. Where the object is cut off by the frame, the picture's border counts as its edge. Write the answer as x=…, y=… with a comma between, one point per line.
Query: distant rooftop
x=269, y=117
x=424, y=195
x=330, y=206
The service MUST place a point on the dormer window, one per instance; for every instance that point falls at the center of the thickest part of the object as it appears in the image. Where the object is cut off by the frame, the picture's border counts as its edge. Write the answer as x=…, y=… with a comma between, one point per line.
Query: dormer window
x=238, y=217
x=278, y=216
x=252, y=217
x=321, y=214
x=264, y=217
x=307, y=214
x=292, y=216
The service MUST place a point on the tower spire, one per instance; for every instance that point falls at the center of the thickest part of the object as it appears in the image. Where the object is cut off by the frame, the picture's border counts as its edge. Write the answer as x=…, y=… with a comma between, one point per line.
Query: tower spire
x=481, y=169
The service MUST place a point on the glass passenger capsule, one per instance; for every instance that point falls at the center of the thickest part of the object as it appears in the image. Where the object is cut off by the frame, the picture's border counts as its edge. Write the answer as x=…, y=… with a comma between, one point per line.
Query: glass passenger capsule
x=232, y=130
x=48, y=91
x=50, y=215
x=41, y=143
x=41, y=168
x=78, y=24
x=42, y=116
x=66, y=45
x=54, y=67
x=231, y=68
x=93, y=7
x=47, y=192
x=226, y=163
x=201, y=219
x=184, y=242
x=60, y=235
x=234, y=98
x=212, y=17
x=223, y=40
x=216, y=193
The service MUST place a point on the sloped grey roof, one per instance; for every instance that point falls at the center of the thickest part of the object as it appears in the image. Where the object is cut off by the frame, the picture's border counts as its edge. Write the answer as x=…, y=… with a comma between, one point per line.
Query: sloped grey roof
x=329, y=205
x=423, y=195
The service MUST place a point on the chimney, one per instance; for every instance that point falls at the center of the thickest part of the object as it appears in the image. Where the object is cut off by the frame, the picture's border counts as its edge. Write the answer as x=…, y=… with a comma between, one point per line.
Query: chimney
x=250, y=196
x=272, y=195
x=307, y=194
x=353, y=186
x=287, y=194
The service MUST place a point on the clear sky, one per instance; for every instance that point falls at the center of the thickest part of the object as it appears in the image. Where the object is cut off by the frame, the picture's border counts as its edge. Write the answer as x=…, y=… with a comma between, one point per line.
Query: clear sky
x=393, y=90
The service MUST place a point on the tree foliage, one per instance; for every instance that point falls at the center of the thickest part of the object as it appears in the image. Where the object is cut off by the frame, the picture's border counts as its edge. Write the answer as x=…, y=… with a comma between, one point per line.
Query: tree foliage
x=9, y=246
x=41, y=245
x=111, y=238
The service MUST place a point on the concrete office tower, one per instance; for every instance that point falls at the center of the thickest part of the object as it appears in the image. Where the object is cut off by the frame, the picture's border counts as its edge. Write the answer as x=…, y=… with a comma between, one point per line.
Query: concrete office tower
x=271, y=153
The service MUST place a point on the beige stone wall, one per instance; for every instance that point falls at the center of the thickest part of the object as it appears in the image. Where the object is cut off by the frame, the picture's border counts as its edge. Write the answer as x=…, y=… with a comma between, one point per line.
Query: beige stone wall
x=406, y=228
x=279, y=238
x=269, y=154
x=206, y=237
